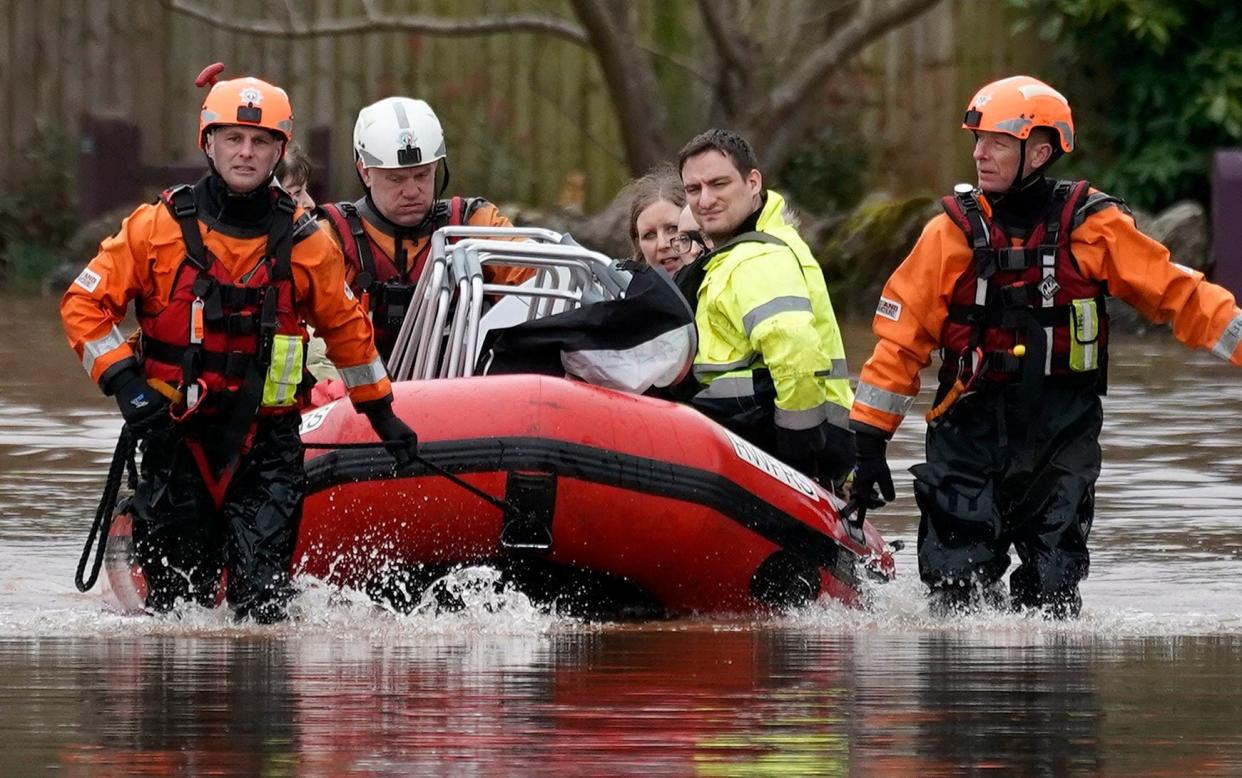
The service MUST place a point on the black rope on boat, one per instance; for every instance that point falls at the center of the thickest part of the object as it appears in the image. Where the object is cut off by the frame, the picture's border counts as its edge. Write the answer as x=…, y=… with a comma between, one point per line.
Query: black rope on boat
x=122, y=460
x=493, y=501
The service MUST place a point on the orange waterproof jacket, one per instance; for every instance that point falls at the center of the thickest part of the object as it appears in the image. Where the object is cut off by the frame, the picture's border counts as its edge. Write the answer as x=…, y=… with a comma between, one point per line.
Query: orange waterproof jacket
x=914, y=306
x=141, y=262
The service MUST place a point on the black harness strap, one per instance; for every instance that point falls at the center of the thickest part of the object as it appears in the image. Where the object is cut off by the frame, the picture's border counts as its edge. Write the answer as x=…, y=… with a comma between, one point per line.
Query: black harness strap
x=362, y=245
x=181, y=203
x=690, y=277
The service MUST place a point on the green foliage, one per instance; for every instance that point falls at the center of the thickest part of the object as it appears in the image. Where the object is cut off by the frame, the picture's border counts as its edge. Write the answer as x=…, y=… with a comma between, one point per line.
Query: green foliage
x=37, y=212
x=1156, y=88
x=863, y=249
x=827, y=173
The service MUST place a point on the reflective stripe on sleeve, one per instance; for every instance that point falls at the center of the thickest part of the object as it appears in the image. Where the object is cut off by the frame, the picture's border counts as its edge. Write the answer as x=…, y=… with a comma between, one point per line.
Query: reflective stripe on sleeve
x=883, y=400
x=703, y=370
x=761, y=313
x=840, y=369
x=1229, y=339
x=729, y=387
x=361, y=375
x=94, y=349
x=836, y=415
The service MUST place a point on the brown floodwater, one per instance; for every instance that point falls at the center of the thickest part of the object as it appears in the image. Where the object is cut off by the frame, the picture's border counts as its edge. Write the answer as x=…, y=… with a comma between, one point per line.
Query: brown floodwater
x=1148, y=681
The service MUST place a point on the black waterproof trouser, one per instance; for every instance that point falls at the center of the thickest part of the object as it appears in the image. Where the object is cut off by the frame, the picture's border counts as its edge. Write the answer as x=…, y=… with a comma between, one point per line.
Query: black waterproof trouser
x=183, y=541
x=1007, y=469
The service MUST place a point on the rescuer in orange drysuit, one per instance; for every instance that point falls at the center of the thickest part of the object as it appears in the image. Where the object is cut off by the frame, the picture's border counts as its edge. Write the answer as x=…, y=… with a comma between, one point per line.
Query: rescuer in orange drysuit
x=1009, y=284
x=224, y=273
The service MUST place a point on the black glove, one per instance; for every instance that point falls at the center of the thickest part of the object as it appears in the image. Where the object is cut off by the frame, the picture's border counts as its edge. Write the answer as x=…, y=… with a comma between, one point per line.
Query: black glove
x=825, y=452
x=872, y=478
x=142, y=406
x=400, y=440
x=799, y=445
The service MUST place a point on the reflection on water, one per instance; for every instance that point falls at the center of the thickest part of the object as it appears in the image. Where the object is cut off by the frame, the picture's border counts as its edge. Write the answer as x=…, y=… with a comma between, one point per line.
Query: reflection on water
x=1146, y=683
x=711, y=699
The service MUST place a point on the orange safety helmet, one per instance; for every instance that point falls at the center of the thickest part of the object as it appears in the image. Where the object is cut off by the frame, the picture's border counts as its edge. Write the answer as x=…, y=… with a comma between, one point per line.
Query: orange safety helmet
x=248, y=101
x=1018, y=104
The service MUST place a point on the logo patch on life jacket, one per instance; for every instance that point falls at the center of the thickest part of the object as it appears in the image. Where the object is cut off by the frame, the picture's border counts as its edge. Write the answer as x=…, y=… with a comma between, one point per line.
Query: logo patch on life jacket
x=1049, y=287
x=889, y=309
x=88, y=279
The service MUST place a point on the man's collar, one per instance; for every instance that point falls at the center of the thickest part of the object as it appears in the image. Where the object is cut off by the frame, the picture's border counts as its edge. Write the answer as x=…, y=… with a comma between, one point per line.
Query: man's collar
x=751, y=223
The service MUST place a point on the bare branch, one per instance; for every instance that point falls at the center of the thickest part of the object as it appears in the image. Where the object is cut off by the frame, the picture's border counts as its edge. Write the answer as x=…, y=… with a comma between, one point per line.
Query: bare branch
x=631, y=80
x=381, y=22
x=724, y=39
x=735, y=52
x=872, y=21
x=779, y=122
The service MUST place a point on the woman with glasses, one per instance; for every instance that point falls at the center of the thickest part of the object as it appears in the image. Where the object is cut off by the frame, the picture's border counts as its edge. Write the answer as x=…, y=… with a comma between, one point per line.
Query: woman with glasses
x=689, y=241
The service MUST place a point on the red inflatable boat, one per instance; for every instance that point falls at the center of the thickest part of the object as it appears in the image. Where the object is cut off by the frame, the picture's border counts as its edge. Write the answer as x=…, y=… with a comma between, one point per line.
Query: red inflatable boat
x=614, y=501
x=604, y=502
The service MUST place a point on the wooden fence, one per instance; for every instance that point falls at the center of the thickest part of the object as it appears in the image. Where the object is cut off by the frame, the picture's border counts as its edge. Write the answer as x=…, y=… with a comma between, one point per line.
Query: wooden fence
x=523, y=112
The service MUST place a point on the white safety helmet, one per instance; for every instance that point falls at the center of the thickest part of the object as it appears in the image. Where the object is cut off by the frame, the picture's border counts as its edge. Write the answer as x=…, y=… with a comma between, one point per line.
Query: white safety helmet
x=398, y=132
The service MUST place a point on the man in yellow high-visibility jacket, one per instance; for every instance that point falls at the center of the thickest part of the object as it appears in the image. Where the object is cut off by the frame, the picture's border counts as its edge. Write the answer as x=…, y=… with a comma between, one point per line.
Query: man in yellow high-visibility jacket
x=770, y=365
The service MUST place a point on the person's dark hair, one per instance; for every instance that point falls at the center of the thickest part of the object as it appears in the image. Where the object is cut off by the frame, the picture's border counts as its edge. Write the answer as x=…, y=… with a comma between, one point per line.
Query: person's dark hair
x=295, y=165
x=1052, y=138
x=660, y=183
x=727, y=142
x=1046, y=135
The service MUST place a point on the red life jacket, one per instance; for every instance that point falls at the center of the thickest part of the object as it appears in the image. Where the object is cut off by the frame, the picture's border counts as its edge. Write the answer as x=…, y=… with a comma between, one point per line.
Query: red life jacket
x=1033, y=295
x=388, y=283
x=215, y=338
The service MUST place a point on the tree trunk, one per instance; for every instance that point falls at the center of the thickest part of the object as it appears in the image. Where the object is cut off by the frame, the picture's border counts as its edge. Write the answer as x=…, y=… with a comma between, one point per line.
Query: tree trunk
x=631, y=82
